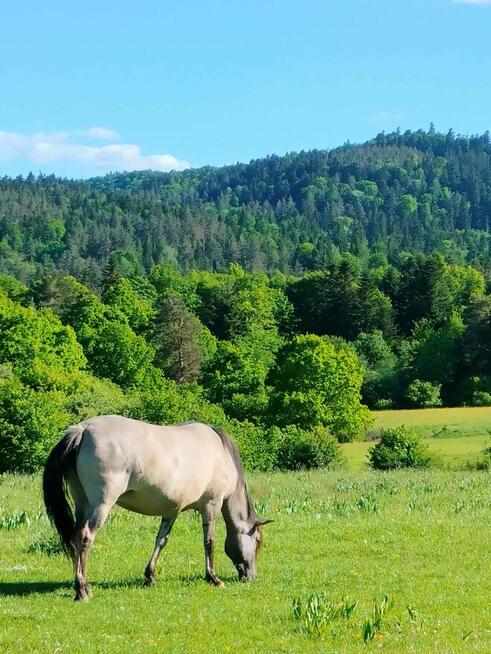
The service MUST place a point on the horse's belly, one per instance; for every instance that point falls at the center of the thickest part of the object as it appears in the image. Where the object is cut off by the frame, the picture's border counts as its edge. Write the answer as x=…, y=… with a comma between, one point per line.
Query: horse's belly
x=148, y=502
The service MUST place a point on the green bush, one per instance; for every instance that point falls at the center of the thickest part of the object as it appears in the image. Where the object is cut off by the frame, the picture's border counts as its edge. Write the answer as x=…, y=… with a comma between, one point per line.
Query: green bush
x=399, y=447
x=31, y=422
x=299, y=449
x=484, y=462
x=423, y=394
x=481, y=398
x=258, y=447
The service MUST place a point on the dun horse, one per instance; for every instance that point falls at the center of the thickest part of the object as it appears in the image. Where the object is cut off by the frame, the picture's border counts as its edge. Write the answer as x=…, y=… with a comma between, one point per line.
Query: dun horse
x=152, y=470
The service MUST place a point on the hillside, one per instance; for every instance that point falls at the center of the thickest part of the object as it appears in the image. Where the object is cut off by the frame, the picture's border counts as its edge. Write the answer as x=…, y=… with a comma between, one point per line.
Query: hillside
x=418, y=192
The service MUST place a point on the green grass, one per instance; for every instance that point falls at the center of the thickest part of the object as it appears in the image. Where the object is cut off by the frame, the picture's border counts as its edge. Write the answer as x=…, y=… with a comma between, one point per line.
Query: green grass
x=443, y=423
x=448, y=452
x=419, y=537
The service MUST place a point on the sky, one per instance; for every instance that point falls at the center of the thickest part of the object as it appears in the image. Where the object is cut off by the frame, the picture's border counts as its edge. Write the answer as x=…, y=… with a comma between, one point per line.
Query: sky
x=92, y=87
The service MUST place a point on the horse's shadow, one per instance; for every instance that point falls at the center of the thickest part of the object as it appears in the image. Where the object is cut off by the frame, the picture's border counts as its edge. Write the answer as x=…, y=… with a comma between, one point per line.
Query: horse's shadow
x=31, y=587
x=22, y=588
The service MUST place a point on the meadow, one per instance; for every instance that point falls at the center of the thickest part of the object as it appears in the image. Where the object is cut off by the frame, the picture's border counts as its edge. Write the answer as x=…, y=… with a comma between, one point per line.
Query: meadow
x=438, y=423
x=355, y=561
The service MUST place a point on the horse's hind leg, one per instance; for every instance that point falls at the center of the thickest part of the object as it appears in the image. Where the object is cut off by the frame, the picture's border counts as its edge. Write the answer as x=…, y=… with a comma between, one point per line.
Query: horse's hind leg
x=160, y=543
x=84, y=538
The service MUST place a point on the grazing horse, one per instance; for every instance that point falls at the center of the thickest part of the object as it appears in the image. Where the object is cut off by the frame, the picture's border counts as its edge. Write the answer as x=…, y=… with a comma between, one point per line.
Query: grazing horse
x=153, y=470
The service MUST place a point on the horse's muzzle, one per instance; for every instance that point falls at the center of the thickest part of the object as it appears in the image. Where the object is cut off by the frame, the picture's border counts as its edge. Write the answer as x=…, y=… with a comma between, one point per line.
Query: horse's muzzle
x=245, y=573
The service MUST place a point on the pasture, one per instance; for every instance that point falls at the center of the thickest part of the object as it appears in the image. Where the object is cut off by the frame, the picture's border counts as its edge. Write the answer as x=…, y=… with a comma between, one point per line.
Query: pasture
x=418, y=537
x=438, y=423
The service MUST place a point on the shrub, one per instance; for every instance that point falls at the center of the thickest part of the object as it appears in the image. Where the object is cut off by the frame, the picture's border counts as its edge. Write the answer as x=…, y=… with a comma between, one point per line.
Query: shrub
x=423, y=394
x=484, y=462
x=306, y=449
x=31, y=422
x=399, y=447
x=258, y=447
x=384, y=404
x=481, y=398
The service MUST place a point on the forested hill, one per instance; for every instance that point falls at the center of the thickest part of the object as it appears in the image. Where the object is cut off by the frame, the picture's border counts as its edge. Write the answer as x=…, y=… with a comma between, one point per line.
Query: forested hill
x=417, y=191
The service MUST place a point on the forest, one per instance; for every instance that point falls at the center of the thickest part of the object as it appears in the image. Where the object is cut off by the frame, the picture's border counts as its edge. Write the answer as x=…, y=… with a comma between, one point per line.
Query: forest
x=281, y=299
x=417, y=192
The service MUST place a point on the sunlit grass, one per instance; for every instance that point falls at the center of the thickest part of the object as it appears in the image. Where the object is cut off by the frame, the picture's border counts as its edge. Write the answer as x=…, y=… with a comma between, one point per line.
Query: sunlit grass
x=442, y=423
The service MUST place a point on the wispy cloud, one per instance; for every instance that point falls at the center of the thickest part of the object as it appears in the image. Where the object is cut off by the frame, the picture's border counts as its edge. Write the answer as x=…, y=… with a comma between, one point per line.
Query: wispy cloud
x=384, y=116
x=42, y=148
x=100, y=134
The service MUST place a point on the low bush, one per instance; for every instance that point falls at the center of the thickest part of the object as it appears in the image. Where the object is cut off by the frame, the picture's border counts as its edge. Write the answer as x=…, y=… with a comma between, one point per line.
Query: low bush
x=481, y=398
x=299, y=449
x=399, y=447
x=423, y=394
x=483, y=462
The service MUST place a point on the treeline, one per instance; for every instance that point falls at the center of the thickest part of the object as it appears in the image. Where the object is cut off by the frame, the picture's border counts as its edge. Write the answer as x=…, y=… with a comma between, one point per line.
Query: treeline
x=416, y=192
x=286, y=363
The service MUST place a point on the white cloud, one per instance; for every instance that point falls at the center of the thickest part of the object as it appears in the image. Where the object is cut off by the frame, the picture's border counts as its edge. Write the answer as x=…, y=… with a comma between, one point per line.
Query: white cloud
x=100, y=134
x=59, y=148
x=385, y=117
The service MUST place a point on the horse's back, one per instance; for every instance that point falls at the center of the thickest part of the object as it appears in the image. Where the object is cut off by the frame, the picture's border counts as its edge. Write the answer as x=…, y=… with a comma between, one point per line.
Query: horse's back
x=153, y=469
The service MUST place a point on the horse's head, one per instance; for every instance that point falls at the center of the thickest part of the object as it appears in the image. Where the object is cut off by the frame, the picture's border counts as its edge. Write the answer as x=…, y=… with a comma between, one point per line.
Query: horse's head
x=241, y=547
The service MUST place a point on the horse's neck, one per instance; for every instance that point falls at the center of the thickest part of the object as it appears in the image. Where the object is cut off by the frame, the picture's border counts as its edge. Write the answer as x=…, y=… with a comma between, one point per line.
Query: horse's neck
x=236, y=509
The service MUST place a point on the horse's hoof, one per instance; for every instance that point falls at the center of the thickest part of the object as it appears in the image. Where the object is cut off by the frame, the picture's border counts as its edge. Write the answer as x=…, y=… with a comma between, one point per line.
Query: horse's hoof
x=83, y=595
x=215, y=581
x=149, y=581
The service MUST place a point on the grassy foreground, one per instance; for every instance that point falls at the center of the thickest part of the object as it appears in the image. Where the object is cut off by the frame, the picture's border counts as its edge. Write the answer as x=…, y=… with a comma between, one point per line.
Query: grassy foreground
x=421, y=538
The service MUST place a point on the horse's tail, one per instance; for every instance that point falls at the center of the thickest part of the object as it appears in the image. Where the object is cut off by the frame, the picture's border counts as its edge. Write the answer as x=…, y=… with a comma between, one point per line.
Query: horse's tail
x=61, y=461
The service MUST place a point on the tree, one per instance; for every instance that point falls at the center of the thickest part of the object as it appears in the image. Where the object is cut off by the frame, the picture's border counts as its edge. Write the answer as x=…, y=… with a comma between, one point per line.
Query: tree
x=115, y=352
x=423, y=394
x=380, y=379
x=179, y=339
x=317, y=381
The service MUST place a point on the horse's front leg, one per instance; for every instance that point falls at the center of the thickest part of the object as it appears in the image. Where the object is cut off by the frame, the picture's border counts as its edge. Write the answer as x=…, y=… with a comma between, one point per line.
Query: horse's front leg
x=209, y=515
x=160, y=543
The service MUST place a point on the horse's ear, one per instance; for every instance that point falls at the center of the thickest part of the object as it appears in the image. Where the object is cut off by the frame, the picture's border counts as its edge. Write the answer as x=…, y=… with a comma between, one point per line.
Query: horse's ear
x=260, y=523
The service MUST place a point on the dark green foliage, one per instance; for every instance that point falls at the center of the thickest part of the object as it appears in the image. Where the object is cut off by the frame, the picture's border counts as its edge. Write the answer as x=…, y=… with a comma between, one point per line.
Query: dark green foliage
x=414, y=192
x=399, y=448
x=481, y=398
x=380, y=379
x=178, y=338
x=484, y=462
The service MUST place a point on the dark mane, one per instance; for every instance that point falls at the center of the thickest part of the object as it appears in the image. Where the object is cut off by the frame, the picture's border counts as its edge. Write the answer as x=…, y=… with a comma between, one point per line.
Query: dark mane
x=233, y=450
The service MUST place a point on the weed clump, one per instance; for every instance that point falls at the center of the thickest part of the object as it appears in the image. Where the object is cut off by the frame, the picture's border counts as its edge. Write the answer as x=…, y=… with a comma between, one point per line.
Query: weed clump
x=317, y=612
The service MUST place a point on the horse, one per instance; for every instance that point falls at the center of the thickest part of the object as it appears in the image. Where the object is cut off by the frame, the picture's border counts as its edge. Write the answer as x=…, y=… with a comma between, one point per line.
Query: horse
x=153, y=470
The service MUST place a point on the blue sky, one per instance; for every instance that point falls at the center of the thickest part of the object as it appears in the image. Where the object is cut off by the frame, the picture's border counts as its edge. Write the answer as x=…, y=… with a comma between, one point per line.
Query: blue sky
x=97, y=86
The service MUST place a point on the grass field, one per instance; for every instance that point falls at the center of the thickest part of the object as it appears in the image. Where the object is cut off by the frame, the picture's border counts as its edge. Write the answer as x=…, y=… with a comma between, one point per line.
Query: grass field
x=448, y=452
x=421, y=538
x=442, y=423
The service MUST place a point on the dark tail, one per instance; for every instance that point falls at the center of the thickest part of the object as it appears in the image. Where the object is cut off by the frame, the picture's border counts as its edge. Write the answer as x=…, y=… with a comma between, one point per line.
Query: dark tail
x=61, y=461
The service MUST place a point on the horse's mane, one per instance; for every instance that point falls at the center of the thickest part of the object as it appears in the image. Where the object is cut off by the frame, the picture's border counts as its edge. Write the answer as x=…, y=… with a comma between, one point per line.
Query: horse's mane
x=233, y=450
